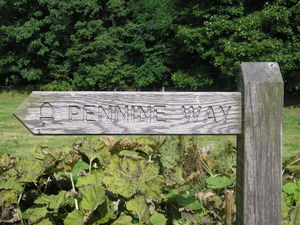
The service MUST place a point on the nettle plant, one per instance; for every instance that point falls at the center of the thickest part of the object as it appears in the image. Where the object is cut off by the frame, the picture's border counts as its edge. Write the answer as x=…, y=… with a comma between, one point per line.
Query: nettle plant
x=112, y=181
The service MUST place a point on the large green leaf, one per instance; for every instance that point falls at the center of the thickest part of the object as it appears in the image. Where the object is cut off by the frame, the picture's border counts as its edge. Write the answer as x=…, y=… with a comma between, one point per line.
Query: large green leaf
x=95, y=149
x=94, y=209
x=90, y=179
x=172, y=194
x=158, y=219
x=74, y=218
x=117, y=145
x=45, y=222
x=28, y=170
x=139, y=208
x=68, y=160
x=9, y=197
x=52, y=201
x=11, y=183
x=119, y=181
x=149, y=145
x=184, y=199
x=123, y=220
x=296, y=215
x=130, y=154
x=58, y=159
x=219, y=182
x=292, y=189
x=36, y=214
x=189, y=202
x=6, y=162
x=127, y=177
x=92, y=198
x=174, y=176
x=104, y=213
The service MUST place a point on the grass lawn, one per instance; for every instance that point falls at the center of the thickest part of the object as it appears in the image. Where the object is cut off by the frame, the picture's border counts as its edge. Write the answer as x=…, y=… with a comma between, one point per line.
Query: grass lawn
x=16, y=139
x=291, y=131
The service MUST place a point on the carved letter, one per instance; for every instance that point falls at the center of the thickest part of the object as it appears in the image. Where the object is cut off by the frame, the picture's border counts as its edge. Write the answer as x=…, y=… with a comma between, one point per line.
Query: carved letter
x=90, y=114
x=132, y=114
x=124, y=115
x=210, y=114
x=102, y=112
x=225, y=112
x=74, y=113
x=141, y=111
x=157, y=113
x=190, y=113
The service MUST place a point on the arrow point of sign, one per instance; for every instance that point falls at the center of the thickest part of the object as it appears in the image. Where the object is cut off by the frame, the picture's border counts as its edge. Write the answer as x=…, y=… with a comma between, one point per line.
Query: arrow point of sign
x=22, y=111
x=21, y=121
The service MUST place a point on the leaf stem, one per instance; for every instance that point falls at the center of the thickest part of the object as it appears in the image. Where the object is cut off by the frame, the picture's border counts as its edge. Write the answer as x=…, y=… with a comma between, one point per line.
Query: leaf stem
x=206, y=167
x=90, y=165
x=73, y=189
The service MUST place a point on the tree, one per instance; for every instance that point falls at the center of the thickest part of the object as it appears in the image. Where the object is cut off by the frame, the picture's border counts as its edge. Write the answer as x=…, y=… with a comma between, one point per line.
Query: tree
x=85, y=44
x=218, y=35
x=139, y=44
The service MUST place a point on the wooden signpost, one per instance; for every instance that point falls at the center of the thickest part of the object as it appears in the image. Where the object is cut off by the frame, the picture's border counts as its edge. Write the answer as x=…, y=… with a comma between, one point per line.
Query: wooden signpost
x=254, y=114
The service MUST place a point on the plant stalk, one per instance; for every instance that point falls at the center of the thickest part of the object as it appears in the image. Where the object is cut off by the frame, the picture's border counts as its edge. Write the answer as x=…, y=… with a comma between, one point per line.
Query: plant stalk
x=74, y=190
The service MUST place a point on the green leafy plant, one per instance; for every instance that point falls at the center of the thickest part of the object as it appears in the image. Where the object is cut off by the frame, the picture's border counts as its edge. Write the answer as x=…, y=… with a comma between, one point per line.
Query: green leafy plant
x=291, y=191
x=219, y=182
x=121, y=181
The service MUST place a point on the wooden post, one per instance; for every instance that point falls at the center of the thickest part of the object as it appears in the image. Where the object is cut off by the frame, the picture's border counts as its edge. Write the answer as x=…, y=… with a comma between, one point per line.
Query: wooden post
x=260, y=145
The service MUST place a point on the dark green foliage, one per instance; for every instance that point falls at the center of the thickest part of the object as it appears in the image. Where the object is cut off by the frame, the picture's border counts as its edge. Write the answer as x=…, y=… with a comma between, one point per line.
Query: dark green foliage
x=113, y=187
x=218, y=35
x=85, y=44
x=125, y=181
x=136, y=44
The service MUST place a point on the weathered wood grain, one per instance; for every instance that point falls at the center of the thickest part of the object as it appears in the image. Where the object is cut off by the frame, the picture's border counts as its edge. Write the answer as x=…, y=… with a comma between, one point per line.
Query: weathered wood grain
x=260, y=145
x=131, y=112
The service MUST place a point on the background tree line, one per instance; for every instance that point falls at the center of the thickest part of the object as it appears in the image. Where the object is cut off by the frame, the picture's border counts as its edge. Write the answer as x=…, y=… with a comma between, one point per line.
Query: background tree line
x=145, y=44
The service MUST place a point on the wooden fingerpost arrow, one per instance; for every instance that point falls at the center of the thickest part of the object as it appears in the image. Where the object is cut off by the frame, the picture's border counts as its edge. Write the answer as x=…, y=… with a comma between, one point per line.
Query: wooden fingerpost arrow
x=131, y=112
x=254, y=114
